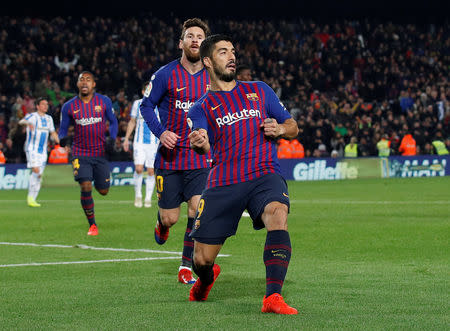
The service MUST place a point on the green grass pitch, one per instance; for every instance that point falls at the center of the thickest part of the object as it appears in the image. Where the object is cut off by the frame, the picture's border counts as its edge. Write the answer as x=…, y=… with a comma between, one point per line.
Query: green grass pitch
x=367, y=254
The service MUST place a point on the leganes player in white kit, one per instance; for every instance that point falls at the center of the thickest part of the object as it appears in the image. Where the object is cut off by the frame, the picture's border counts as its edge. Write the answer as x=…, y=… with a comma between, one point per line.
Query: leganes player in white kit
x=145, y=145
x=39, y=127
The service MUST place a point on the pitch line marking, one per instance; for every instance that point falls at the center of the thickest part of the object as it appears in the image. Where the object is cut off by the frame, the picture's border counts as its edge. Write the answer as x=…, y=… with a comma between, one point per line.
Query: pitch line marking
x=34, y=264
x=376, y=202
x=80, y=246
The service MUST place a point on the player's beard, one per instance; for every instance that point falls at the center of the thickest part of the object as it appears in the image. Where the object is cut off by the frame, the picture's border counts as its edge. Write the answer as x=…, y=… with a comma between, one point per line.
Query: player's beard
x=222, y=75
x=191, y=57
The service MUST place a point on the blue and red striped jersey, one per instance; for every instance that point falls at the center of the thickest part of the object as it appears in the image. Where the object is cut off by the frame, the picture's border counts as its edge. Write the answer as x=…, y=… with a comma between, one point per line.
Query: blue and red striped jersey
x=89, y=120
x=232, y=119
x=174, y=90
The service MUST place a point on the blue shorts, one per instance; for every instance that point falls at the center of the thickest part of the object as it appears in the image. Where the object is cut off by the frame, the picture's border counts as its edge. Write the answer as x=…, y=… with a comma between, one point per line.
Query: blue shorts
x=91, y=168
x=174, y=187
x=221, y=208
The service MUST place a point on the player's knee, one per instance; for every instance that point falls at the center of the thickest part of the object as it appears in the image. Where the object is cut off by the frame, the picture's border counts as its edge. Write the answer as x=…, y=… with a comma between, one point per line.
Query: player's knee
x=201, y=260
x=275, y=216
x=86, y=186
x=192, y=211
x=193, y=205
x=168, y=219
x=103, y=191
x=139, y=169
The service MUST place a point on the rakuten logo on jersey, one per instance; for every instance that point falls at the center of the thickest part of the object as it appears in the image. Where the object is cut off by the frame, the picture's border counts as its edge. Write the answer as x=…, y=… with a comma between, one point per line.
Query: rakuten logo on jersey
x=244, y=114
x=183, y=105
x=88, y=121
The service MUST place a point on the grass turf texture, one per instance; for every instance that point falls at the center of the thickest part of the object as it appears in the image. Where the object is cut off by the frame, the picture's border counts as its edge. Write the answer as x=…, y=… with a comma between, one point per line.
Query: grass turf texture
x=367, y=254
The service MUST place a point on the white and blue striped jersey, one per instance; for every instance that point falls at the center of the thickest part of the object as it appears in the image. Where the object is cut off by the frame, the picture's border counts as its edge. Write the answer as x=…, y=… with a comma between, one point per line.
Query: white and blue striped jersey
x=38, y=137
x=142, y=134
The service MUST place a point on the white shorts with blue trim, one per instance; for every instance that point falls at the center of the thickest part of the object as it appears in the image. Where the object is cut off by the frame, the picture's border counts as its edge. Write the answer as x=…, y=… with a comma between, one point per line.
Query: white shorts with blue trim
x=144, y=154
x=35, y=159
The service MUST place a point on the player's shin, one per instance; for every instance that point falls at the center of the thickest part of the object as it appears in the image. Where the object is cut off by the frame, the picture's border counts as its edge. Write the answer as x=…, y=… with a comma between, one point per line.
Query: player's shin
x=87, y=203
x=205, y=273
x=277, y=254
x=188, y=245
x=137, y=184
x=149, y=186
x=34, y=185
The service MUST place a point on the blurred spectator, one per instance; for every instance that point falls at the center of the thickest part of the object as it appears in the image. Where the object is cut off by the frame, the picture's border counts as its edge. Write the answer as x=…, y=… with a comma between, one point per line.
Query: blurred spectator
x=383, y=146
x=243, y=72
x=297, y=149
x=407, y=145
x=65, y=64
x=58, y=155
x=439, y=145
x=284, y=150
x=2, y=156
x=351, y=149
x=352, y=77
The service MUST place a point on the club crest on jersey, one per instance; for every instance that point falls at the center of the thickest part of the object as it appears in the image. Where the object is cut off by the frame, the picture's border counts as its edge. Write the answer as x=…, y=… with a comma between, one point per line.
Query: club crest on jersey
x=148, y=89
x=197, y=224
x=252, y=96
x=98, y=108
x=208, y=87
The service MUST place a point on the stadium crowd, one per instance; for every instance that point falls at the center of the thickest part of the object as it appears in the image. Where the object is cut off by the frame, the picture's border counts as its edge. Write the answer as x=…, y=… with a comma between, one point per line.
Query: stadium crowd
x=350, y=78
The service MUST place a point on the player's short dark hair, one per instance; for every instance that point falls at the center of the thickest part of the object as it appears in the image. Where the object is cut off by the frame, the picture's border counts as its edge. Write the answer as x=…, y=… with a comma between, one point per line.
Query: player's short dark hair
x=240, y=68
x=38, y=100
x=189, y=23
x=86, y=72
x=207, y=46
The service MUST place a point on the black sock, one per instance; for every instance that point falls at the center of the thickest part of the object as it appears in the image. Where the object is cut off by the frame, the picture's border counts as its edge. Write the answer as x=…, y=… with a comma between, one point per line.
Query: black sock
x=188, y=245
x=205, y=273
x=277, y=253
x=88, y=206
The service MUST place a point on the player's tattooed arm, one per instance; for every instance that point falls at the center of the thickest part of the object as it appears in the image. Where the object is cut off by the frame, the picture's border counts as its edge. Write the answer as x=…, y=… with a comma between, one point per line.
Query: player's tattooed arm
x=272, y=129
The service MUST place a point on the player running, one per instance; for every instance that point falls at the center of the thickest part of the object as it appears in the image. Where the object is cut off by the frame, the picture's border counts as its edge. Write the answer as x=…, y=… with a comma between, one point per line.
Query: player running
x=180, y=173
x=88, y=112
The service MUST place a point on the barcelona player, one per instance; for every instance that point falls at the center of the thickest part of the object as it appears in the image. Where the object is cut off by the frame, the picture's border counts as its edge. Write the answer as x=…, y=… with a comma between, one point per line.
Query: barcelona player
x=88, y=112
x=239, y=122
x=180, y=173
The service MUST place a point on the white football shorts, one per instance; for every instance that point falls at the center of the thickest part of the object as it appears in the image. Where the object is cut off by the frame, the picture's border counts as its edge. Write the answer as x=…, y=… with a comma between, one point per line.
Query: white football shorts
x=144, y=154
x=35, y=159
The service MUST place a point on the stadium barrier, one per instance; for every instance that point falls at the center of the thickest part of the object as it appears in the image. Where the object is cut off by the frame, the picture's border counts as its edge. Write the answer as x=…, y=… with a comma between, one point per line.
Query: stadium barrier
x=370, y=167
x=16, y=176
